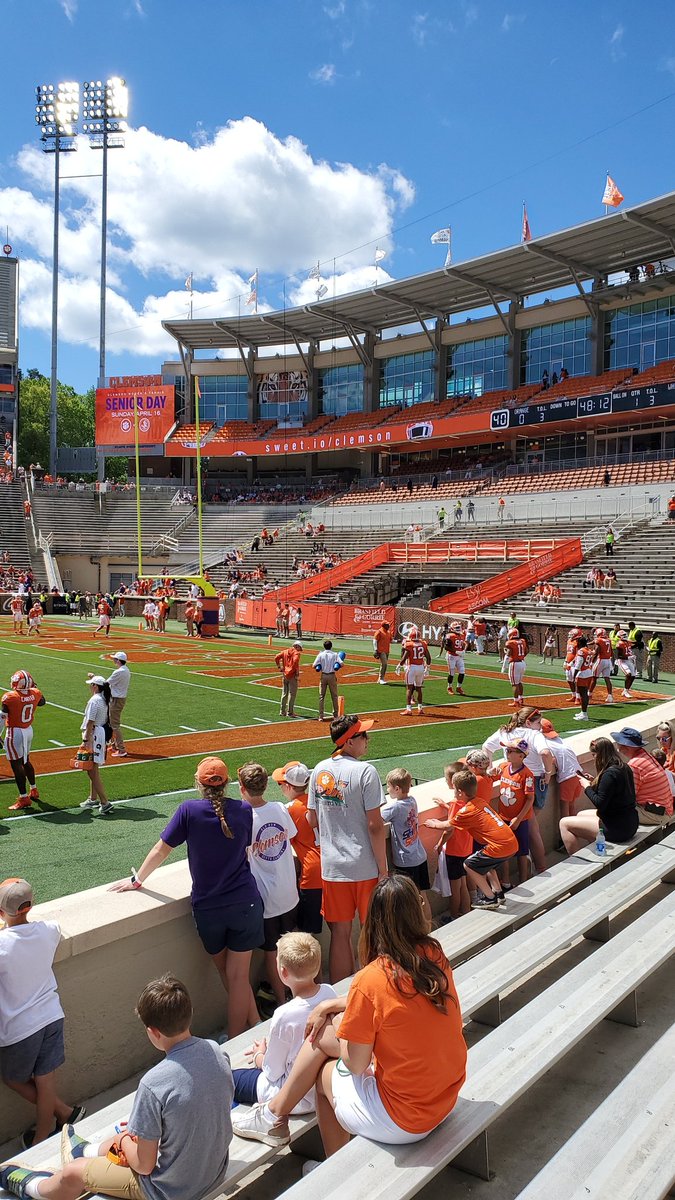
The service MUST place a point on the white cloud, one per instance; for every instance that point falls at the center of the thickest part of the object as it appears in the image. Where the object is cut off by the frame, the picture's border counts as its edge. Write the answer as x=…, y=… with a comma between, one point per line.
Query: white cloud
x=69, y=7
x=239, y=198
x=420, y=28
x=425, y=27
x=336, y=10
x=616, y=49
x=324, y=74
x=510, y=20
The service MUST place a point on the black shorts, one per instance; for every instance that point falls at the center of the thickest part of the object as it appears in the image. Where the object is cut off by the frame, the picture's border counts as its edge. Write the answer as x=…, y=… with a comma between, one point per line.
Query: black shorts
x=236, y=927
x=309, y=910
x=275, y=926
x=418, y=874
x=481, y=862
x=455, y=865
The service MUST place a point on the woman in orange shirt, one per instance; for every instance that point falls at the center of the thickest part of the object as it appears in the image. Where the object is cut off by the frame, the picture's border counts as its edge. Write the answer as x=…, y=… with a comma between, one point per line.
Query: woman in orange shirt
x=391, y=1066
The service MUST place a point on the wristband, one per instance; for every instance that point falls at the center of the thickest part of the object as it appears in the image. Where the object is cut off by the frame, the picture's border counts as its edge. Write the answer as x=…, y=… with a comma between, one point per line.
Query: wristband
x=122, y=1139
x=135, y=881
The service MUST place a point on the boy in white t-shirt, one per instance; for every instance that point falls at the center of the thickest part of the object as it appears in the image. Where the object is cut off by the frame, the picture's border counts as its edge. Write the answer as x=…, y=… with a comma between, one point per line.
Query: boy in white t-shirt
x=31, y=1016
x=273, y=866
x=298, y=964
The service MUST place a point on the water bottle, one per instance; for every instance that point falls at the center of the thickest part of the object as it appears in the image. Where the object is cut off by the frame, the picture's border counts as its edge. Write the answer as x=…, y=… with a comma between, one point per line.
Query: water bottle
x=600, y=843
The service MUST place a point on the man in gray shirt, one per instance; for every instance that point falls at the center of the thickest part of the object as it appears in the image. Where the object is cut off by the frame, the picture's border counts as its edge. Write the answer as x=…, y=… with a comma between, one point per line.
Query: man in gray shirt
x=344, y=805
x=176, y=1144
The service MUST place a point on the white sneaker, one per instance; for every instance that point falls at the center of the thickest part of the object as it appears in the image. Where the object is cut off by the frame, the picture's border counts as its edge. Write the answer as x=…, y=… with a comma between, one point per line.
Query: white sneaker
x=311, y=1160
x=626, y=695
x=89, y=804
x=420, y=709
x=406, y=712
x=581, y=716
x=257, y=1124
x=609, y=700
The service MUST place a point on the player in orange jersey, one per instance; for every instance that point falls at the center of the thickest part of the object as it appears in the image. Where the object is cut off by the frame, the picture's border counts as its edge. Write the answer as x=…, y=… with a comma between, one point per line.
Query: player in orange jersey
x=602, y=663
x=582, y=669
x=16, y=609
x=515, y=653
x=104, y=614
x=17, y=710
x=454, y=644
x=570, y=655
x=34, y=619
x=415, y=658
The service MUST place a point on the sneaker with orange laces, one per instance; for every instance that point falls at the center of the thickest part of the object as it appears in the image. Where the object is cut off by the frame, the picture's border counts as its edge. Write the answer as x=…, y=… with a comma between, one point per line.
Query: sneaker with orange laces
x=22, y=802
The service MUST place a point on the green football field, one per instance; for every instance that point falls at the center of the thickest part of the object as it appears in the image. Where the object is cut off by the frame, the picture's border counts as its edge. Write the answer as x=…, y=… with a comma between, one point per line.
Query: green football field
x=190, y=698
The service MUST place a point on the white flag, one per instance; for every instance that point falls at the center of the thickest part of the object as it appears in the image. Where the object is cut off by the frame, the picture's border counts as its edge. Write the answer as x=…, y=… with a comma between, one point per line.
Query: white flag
x=380, y=254
x=188, y=283
x=315, y=272
x=442, y=237
x=321, y=291
x=253, y=279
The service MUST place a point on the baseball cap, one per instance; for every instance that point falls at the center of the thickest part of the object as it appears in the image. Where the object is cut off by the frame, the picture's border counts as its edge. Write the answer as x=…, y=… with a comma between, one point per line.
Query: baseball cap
x=295, y=773
x=98, y=680
x=298, y=644
x=354, y=730
x=212, y=772
x=628, y=737
x=120, y=655
x=547, y=728
x=16, y=895
x=516, y=743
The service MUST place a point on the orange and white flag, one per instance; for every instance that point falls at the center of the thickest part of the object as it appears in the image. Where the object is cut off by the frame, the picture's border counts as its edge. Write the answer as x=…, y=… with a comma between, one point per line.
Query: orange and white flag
x=611, y=195
x=526, y=235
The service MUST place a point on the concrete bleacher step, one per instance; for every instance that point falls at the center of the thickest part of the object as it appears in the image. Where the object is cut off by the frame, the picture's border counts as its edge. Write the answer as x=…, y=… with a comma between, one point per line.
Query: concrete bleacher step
x=501, y=1067
x=625, y=1150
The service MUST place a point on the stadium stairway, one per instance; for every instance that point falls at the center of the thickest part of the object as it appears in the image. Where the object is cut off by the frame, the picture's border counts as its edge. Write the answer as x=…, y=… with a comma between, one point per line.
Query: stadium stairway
x=644, y=561
x=15, y=530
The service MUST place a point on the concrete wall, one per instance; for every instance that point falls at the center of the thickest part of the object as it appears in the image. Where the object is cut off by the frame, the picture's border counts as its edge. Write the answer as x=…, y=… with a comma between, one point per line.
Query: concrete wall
x=113, y=944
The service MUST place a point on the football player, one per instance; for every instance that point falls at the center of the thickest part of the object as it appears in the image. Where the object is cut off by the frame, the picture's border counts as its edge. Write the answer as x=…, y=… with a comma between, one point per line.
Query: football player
x=17, y=710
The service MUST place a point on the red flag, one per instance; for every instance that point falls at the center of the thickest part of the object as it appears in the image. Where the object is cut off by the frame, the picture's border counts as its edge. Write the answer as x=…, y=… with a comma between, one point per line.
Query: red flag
x=611, y=194
x=527, y=232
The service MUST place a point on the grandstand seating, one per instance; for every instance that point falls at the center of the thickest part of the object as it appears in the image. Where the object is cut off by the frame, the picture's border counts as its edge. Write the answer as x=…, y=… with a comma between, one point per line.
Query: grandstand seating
x=663, y=372
x=240, y=431
x=586, y=385
x=13, y=529
x=502, y=398
x=187, y=434
x=85, y=523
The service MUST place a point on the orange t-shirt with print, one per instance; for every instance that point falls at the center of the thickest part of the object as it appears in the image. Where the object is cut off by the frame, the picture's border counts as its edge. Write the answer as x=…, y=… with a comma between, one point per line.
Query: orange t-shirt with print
x=304, y=844
x=487, y=828
x=419, y=1050
x=516, y=792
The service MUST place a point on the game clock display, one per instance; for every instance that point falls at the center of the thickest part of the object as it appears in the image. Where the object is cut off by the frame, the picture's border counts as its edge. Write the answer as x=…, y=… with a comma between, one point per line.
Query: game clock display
x=569, y=409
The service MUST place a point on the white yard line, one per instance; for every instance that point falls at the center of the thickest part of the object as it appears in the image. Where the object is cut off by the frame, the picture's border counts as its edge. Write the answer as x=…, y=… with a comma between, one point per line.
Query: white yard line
x=188, y=728
x=61, y=745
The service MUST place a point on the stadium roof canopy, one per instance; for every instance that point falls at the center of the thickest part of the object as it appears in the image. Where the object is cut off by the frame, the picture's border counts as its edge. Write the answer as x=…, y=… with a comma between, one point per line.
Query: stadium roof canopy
x=584, y=253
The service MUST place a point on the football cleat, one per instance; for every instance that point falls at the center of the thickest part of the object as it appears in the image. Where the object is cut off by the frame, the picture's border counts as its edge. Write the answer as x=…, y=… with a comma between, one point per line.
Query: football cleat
x=21, y=681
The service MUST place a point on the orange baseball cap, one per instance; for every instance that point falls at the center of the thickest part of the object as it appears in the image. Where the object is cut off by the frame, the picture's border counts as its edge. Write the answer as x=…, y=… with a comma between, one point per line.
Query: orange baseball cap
x=354, y=730
x=212, y=772
x=547, y=728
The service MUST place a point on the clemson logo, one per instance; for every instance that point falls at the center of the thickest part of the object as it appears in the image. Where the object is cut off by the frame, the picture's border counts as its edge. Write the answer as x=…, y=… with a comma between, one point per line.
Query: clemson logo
x=325, y=781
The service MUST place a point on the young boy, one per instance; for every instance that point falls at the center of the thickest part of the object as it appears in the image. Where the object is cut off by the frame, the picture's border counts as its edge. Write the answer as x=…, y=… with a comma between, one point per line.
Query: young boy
x=31, y=1016
x=272, y=866
x=298, y=964
x=516, y=801
x=407, y=852
x=457, y=845
x=498, y=842
x=293, y=779
x=179, y=1131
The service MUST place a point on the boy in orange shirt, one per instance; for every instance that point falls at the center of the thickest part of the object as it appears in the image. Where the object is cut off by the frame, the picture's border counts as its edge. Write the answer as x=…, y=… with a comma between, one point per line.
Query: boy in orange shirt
x=516, y=801
x=457, y=844
x=498, y=841
x=293, y=780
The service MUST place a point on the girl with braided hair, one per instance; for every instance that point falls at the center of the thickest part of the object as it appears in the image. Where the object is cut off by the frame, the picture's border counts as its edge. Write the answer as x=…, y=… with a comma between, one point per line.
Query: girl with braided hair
x=226, y=904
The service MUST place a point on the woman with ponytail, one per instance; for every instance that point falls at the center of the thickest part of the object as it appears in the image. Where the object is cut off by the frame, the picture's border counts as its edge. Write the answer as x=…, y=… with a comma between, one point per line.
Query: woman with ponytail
x=226, y=904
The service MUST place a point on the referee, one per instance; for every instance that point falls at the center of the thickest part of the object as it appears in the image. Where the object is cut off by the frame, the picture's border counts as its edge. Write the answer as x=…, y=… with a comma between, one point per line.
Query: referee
x=328, y=663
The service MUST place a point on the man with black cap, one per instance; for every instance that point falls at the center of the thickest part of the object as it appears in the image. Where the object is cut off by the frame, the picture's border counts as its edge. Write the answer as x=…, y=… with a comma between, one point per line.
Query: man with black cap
x=344, y=805
x=652, y=789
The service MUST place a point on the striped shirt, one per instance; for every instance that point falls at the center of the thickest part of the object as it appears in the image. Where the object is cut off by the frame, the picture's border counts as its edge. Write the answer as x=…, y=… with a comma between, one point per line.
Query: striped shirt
x=651, y=782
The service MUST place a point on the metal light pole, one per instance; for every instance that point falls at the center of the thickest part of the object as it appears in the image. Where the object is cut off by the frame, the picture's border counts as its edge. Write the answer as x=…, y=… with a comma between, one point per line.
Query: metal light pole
x=104, y=109
x=56, y=112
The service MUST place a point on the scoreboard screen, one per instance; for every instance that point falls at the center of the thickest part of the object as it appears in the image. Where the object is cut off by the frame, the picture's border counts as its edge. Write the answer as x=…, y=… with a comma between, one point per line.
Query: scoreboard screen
x=626, y=400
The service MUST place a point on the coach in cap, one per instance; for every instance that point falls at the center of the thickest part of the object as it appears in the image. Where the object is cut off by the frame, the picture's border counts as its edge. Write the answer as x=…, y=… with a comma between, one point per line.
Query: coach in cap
x=344, y=805
x=119, y=682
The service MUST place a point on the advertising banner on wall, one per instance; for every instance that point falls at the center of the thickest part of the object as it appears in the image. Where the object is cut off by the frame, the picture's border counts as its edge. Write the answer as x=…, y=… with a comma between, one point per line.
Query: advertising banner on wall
x=115, y=414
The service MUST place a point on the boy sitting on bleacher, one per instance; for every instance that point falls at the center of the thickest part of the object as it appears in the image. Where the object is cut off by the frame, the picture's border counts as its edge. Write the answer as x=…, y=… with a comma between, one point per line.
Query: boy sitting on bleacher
x=298, y=964
x=498, y=842
x=176, y=1145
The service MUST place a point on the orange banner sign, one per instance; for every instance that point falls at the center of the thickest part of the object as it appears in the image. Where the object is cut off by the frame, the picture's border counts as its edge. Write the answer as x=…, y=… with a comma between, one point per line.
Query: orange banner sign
x=509, y=583
x=115, y=409
x=334, y=619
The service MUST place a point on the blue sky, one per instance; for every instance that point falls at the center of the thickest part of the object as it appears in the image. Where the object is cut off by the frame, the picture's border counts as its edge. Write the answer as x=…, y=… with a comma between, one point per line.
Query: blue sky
x=271, y=133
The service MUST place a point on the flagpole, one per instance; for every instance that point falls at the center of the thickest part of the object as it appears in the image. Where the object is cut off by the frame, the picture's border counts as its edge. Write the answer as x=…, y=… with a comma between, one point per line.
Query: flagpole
x=199, y=478
x=138, y=491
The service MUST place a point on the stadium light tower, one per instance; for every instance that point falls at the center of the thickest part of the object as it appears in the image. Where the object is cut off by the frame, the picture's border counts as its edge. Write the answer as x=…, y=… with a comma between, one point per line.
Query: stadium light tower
x=57, y=109
x=104, y=110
